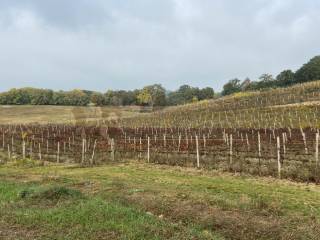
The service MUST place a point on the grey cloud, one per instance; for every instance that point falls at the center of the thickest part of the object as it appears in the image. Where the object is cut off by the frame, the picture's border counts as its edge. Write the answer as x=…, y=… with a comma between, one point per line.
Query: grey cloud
x=60, y=13
x=99, y=44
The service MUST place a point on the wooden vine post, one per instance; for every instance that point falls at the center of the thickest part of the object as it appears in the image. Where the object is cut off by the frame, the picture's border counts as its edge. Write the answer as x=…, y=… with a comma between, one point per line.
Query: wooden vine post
x=230, y=153
x=23, y=149
x=259, y=152
x=58, y=153
x=304, y=141
x=112, y=150
x=3, y=141
x=140, y=147
x=148, y=157
x=317, y=150
x=83, y=151
x=279, y=157
x=198, y=155
x=40, y=155
x=93, y=152
x=284, y=144
x=9, y=152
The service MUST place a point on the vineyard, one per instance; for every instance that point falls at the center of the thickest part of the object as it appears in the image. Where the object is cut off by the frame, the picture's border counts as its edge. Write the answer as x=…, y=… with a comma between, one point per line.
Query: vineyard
x=288, y=153
x=295, y=107
x=266, y=134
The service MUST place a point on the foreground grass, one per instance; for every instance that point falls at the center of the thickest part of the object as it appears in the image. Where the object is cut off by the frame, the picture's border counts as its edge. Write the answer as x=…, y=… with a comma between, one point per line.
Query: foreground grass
x=137, y=201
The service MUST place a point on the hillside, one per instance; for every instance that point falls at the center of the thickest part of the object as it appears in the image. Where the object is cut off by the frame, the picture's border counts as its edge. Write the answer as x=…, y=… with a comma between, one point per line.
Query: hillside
x=296, y=106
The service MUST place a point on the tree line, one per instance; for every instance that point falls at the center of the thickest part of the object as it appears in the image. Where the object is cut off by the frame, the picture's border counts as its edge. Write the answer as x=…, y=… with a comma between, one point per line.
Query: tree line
x=153, y=95
x=308, y=72
x=156, y=95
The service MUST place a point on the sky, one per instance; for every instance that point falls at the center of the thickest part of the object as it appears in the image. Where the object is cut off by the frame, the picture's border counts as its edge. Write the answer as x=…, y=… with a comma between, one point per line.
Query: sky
x=128, y=44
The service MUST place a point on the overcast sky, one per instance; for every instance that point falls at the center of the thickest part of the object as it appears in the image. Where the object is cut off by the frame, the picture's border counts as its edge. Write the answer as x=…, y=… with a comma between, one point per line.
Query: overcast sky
x=127, y=44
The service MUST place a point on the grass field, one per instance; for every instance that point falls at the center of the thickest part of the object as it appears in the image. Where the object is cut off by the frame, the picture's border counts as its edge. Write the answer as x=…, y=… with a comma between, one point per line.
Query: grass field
x=62, y=114
x=138, y=201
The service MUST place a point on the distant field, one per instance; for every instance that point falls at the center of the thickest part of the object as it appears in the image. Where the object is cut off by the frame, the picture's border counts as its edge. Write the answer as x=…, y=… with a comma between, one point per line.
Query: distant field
x=62, y=114
x=139, y=201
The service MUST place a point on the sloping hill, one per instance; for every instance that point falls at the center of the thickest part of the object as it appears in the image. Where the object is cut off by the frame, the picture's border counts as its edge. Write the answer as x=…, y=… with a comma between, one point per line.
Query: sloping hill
x=296, y=106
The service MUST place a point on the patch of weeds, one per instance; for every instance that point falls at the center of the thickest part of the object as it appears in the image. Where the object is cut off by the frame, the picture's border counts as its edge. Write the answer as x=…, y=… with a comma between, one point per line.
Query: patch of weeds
x=27, y=163
x=51, y=195
x=10, y=192
x=26, y=193
x=57, y=193
x=266, y=206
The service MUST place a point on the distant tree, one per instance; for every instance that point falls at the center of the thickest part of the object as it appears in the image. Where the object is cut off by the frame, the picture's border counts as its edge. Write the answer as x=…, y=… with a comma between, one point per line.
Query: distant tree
x=309, y=71
x=145, y=97
x=265, y=81
x=175, y=98
x=121, y=98
x=127, y=97
x=245, y=84
x=77, y=98
x=285, y=78
x=266, y=78
x=41, y=96
x=17, y=96
x=108, y=97
x=154, y=95
x=98, y=99
x=6, y=98
x=252, y=86
x=58, y=98
x=72, y=98
x=206, y=93
x=187, y=94
x=232, y=86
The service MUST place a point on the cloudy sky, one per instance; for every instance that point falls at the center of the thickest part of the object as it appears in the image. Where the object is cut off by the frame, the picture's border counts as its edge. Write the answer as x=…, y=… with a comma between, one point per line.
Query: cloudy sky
x=127, y=44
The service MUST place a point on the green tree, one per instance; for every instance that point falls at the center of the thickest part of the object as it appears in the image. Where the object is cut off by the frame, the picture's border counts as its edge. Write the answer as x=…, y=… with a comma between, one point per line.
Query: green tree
x=77, y=98
x=145, y=97
x=186, y=94
x=153, y=95
x=285, y=78
x=265, y=81
x=309, y=71
x=98, y=99
x=245, y=85
x=266, y=78
x=232, y=86
x=206, y=93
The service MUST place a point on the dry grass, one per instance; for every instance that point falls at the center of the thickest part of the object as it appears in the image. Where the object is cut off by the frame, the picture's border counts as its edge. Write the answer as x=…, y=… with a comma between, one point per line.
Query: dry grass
x=62, y=114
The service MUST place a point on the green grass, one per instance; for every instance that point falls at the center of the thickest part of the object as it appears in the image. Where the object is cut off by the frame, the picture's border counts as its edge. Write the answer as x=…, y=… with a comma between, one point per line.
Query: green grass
x=94, y=218
x=137, y=201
